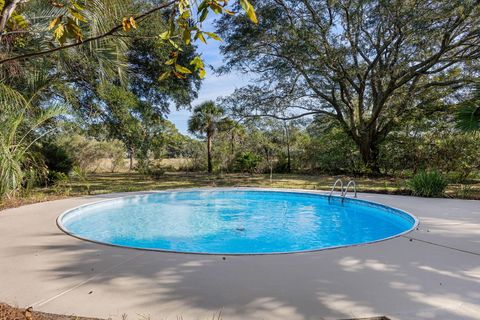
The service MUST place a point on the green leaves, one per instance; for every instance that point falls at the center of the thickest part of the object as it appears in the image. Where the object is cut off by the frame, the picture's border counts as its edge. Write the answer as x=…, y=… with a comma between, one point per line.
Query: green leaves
x=19, y=20
x=197, y=62
x=213, y=36
x=200, y=36
x=182, y=69
x=165, y=35
x=17, y=128
x=54, y=22
x=74, y=12
x=181, y=28
x=249, y=10
x=177, y=70
x=165, y=75
x=66, y=26
x=187, y=36
x=468, y=115
x=59, y=34
x=169, y=62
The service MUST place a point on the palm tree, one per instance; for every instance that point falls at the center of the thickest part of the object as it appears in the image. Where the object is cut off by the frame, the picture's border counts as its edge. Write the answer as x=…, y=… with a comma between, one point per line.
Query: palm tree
x=19, y=131
x=204, y=122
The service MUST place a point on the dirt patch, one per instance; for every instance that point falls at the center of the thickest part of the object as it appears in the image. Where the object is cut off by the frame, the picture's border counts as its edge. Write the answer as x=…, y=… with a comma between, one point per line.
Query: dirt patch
x=10, y=313
x=374, y=318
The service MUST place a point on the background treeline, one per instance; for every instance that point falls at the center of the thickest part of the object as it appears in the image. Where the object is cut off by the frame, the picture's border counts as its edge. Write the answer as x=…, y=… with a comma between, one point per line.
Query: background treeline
x=267, y=145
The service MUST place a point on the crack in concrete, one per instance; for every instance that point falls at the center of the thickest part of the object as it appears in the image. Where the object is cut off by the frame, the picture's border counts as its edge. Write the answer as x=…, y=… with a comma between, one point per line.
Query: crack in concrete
x=78, y=285
x=441, y=245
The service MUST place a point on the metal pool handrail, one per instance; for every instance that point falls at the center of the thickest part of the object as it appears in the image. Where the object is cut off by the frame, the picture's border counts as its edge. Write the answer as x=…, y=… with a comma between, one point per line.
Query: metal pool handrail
x=345, y=191
x=333, y=189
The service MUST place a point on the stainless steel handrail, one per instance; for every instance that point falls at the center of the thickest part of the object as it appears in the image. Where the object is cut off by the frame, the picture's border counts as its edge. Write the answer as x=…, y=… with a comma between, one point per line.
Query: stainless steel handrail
x=345, y=191
x=333, y=189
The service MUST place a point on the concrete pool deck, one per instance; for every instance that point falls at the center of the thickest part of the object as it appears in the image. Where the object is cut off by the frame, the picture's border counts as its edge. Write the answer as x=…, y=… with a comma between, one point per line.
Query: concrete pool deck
x=430, y=273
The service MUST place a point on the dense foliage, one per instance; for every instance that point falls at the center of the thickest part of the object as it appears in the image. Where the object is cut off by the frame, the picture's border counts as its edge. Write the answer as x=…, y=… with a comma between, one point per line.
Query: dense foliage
x=368, y=65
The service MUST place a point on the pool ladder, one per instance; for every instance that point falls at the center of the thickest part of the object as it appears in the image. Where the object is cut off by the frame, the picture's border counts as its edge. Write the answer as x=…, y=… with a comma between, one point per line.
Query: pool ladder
x=343, y=191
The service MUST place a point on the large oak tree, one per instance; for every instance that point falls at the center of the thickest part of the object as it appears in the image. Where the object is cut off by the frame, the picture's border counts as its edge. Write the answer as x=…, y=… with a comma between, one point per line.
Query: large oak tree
x=365, y=63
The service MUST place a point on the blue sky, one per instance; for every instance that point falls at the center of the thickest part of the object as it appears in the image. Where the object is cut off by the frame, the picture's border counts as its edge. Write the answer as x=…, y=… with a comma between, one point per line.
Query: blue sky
x=213, y=86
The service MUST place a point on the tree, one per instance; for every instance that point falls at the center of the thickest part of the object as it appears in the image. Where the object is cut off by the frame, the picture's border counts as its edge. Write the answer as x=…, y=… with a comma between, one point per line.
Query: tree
x=131, y=105
x=146, y=57
x=205, y=121
x=78, y=22
x=366, y=64
x=130, y=120
x=230, y=139
x=20, y=129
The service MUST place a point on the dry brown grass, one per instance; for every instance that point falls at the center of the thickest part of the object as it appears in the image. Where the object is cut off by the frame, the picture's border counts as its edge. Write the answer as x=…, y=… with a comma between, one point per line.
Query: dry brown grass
x=10, y=313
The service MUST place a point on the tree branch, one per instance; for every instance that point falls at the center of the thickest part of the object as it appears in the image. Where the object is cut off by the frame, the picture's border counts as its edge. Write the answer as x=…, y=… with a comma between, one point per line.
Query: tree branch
x=298, y=116
x=106, y=34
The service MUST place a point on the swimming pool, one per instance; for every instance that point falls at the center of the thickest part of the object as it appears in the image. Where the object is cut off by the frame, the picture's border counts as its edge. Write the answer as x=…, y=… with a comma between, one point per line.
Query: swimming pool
x=234, y=221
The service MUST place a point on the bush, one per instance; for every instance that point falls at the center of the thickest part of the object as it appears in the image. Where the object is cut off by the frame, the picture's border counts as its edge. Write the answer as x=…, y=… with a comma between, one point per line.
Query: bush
x=247, y=162
x=57, y=160
x=428, y=184
x=56, y=157
x=333, y=152
x=62, y=183
x=155, y=171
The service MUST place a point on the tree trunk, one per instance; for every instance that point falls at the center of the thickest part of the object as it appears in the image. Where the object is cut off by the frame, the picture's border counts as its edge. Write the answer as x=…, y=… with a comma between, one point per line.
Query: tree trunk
x=130, y=156
x=271, y=173
x=289, y=159
x=209, y=153
x=369, y=151
x=287, y=138
x=7, y=12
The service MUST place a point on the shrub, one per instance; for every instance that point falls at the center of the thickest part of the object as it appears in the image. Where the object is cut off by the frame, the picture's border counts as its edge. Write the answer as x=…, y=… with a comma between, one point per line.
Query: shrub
x=56, y=157
x=332, y=152
x=62, y=183
x=81, y=175
x=36, y=173
x=155, y=171
x=247, y=162
x=57, y=160
x=428, y=184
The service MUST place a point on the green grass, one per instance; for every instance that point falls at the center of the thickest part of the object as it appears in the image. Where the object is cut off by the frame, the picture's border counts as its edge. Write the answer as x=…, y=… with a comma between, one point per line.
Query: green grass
x=101, y=183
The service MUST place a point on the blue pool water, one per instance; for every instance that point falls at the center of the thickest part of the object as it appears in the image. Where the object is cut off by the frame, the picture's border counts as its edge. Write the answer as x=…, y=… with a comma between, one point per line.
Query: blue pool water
x=234, y=222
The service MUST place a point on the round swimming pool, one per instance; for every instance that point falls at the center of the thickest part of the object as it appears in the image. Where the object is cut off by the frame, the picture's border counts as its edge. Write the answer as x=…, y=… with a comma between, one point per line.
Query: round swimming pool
x=234, y=222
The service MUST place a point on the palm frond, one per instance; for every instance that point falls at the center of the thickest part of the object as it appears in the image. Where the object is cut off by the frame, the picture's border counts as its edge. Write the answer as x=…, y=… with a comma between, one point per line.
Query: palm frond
x=10, y=98
x=468, y=117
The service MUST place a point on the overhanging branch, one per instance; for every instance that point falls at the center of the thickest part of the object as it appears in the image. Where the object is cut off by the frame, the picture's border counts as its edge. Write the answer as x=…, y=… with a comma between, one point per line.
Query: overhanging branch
x=298, y=116
x=103, y=35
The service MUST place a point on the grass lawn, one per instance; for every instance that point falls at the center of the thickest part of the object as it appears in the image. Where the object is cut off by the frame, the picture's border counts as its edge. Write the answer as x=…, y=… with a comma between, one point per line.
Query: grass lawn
x=98, y=183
